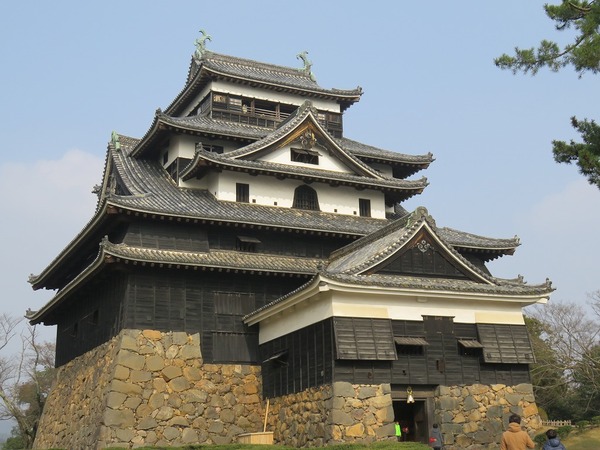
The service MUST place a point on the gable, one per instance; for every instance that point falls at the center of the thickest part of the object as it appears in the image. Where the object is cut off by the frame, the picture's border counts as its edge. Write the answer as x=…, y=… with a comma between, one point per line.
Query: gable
x=306, y=147
x=303, y=133
x=423, y=255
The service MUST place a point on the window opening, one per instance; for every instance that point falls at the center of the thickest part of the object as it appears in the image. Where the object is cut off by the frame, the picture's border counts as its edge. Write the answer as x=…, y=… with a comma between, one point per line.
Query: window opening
x=470, y=347
x=410, y=346
x=304, y=156
x=364, y=207
x=242, y=192
x=247, y=244
x=305, y=197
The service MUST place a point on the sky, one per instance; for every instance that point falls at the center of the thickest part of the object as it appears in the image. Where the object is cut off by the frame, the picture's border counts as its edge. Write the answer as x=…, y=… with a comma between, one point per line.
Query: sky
x=75, y=71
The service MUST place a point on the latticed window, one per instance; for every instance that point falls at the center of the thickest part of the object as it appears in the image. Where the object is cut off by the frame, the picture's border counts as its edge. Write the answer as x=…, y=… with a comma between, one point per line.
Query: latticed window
x=364, y=207
x=305, y=197
x=242, y=192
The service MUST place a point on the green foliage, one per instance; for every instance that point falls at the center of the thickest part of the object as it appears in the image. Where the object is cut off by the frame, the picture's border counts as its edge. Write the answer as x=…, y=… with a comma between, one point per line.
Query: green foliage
x=539, y=439
x=583, y=54
x=564, y=431
x=585, y=154
x=582, y=424
x=14, y=443
x=595, y=421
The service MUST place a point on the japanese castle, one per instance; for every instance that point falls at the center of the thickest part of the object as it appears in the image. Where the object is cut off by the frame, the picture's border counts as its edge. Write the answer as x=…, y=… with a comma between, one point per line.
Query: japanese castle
x=250, y=271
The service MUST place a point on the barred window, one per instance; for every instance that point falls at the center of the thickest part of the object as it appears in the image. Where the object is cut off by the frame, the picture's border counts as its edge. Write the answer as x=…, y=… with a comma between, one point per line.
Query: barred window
x=242, y=192
x=364, y=207
x=305, y=197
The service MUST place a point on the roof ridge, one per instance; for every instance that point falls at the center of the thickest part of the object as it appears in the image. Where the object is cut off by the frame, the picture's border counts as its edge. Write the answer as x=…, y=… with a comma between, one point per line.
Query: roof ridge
x=300, y=72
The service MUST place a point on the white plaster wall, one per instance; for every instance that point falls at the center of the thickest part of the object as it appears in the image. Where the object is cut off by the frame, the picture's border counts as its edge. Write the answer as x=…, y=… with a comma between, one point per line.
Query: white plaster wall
x=269, y=191
x=395, y=307
x=300, y=316
x=413, y=307
x=384, y=169
x=326, y=161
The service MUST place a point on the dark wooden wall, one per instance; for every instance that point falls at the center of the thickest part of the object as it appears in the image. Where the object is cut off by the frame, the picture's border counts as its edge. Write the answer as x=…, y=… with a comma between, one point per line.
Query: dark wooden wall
x=200, y=238
x=443, y=362
x=92, y=317
x=209, y=303
x=298, y=360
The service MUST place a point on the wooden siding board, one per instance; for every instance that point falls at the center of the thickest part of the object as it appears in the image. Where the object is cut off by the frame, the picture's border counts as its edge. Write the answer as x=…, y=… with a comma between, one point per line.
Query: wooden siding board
x=370, y=339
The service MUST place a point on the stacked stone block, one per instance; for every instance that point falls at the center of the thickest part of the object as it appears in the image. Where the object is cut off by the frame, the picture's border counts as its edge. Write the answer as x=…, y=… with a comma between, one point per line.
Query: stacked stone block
x=473, y=417
x=333, y=414
x=150, y=388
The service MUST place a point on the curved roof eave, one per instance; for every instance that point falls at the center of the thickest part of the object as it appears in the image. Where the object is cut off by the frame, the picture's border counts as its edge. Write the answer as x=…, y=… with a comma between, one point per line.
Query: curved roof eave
x=120, y=252
x=278, y=169
x=92, y=226
x=205, y=70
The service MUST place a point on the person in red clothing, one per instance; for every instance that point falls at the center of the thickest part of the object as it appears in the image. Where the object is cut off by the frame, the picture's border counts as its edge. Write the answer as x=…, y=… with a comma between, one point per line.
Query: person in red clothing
x=515, y=438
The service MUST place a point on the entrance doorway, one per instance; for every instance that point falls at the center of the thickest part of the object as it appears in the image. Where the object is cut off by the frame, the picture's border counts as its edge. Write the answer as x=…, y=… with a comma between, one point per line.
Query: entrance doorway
x=412, y=418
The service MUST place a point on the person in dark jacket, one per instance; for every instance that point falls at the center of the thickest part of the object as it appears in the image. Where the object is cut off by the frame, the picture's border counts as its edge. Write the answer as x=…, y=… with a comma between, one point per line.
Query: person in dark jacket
x=553, y=442
x=435, y=438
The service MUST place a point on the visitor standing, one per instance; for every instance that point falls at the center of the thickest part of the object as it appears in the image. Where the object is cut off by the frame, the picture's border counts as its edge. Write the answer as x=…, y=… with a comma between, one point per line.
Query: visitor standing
x=398, y=432
x=515, y=438
x=553, y=442
x=435, y=438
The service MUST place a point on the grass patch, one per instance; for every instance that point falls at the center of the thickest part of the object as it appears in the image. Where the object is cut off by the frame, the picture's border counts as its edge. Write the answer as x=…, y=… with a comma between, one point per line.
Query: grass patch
x=382, y=445
x=586, y=440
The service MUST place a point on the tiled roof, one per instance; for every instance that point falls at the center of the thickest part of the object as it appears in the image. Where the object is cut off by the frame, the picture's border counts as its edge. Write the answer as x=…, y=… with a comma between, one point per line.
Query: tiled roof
x=155, y=192
x=268, y=73
x=256, y=73
x=469, y=240
x=205, y=124
x=256, y=262
x=221, y=260
x=222, y=160
x=363, y=150
x=371, y=250
x=500, y=287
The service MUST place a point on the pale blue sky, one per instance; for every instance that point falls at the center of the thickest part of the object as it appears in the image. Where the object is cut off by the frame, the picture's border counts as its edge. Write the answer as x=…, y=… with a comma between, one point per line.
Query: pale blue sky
x=74, y=71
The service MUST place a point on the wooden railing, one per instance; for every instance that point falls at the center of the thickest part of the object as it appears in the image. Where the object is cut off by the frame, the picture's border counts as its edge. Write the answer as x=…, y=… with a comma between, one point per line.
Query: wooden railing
x=556, y=423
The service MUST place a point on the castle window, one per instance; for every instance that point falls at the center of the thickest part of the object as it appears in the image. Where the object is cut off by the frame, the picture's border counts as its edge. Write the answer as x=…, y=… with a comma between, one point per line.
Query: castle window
x=304, y=156
x=305, y=197
x=242, y=192
x=209, y=148
x=438, y=324
x=364, y=207
x=363, y=338
x=176, y=167
x=247, y=243
x=410, y=346
x=470, y=347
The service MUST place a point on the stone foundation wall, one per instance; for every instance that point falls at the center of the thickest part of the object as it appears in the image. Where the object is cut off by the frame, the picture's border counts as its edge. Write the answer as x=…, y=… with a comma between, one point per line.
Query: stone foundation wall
x=333, y=414
x=149, y=388
x=474, y=417
x=152, y=388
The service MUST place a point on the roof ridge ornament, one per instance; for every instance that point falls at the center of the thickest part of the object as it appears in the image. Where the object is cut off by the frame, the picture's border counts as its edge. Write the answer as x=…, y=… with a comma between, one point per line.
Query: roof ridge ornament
x=114, y=138
x=303, y=56
x=200, y=44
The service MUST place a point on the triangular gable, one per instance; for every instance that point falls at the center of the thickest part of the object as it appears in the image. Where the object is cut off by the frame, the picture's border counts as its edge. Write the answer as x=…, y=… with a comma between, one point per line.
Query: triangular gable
x=409, y=246
x=425, y=255
x=304, y=132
